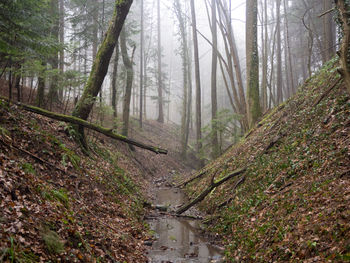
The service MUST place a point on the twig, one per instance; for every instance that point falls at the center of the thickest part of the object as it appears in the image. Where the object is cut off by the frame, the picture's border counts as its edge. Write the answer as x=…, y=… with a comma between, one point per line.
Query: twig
x=326, y=12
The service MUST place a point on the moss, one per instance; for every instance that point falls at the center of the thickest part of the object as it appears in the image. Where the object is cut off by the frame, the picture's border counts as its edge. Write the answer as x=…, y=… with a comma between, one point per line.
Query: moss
x=52, y=242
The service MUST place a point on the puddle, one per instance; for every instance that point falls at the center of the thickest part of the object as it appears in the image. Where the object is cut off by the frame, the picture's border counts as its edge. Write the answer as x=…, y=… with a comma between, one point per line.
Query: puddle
x=178, y=239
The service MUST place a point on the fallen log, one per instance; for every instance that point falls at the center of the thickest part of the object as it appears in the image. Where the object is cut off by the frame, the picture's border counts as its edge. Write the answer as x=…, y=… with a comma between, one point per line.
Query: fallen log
x=213, y=185
x=77, y=121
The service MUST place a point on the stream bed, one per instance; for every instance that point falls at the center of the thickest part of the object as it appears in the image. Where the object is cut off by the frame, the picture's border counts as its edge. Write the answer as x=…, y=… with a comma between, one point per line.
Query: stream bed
x=177, y=238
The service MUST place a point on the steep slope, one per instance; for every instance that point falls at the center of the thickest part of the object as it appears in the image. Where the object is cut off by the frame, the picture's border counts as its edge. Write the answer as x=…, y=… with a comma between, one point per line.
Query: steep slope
x=59, y=205
x=292, y=203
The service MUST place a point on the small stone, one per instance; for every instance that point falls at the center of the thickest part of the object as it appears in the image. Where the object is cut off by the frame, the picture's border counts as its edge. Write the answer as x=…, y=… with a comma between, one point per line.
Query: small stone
x=148, y=243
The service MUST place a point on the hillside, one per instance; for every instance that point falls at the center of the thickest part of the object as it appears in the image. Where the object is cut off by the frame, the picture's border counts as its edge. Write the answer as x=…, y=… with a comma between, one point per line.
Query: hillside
x=58, y=204
x=292, y=203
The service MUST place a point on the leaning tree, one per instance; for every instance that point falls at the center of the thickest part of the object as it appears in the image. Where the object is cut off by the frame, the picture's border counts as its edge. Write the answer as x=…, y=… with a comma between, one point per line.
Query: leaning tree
x=100, y=66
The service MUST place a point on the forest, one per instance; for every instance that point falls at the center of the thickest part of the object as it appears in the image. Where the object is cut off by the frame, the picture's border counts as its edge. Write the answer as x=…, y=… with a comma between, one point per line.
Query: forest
x=174, y=131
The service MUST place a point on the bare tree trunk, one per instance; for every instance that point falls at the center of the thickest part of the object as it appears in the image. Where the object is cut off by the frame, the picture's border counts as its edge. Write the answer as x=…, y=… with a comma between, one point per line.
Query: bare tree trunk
x=293, y=88
x=184, y=56
x=252, y=58
x=39, y=101
x=129, y=80
x=114, y=81
x=141, y=63
x=160, y=82
x=279, y=54
x=53, y=90
x=265, y=57
x=100, y=66
x=214, y=107
x=198, y=80
x=61, y=35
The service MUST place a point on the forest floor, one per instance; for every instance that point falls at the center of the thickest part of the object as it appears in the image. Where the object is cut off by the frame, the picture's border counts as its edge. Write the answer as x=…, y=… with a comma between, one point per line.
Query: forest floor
x=59, y=205
x=292, y=203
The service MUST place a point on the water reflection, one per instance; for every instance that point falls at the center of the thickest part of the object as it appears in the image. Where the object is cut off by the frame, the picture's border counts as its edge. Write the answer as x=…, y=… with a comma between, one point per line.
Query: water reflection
x=178, y=239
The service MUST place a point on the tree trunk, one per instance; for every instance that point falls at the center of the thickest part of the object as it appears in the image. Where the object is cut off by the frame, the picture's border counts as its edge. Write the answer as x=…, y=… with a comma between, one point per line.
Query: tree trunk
x=114, y=81
x=265, y=58
x=129, y=80
x=100, y=65
x=198, y=81
x=214, y=107
x=53, y=90
x=344, y=8
x=184, y=56
x=252, y=59
x=279, y=83
x=61, y=34
x=160, y=82
x=41, y=88
x=78, y=121
x=292, y=85
x=141, y=63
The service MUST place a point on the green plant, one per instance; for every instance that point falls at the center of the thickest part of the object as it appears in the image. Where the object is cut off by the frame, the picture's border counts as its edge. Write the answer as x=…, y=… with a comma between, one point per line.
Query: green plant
x=28, y=168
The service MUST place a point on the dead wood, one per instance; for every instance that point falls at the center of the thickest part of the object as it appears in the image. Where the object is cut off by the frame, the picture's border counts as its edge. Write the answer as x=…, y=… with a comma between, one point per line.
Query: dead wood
x=86, y=124
x=36, y=157
x=192, y=179
x=320, y=98
x=213, y=185
x=238, y=183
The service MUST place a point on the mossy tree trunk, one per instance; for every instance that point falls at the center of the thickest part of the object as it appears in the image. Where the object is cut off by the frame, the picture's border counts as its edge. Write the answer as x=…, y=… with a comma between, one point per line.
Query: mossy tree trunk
x=252, y=58
x=101, y=63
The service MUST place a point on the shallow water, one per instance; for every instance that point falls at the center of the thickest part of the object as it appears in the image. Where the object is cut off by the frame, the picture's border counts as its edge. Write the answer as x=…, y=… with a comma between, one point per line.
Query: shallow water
x=178, y=239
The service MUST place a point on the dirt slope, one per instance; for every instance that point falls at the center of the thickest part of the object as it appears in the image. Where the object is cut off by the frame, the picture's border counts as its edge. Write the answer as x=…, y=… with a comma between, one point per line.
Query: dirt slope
x=293, y=204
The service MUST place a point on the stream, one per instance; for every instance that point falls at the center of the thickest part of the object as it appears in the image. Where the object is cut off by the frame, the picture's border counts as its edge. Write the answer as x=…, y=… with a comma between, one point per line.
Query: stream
x=177, y=238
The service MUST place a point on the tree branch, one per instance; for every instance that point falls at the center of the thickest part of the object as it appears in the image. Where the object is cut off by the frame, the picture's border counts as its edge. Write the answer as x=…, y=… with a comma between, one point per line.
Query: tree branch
x=77, y=121
x=213, y=185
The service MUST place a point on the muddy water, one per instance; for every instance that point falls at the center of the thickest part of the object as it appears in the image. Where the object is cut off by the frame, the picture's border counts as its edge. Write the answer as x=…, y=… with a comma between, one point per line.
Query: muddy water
x=178, y=239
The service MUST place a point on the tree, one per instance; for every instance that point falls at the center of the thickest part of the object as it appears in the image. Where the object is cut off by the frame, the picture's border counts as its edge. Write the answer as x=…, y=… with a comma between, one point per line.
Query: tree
x=344, y=20
x=214, y=100
x=100, y=65
x=160, y=84
x=141, y=62
x=198, y=80
x=279, y=83
x=185, y=67
x=252, y=59
x=129, y=79
x=114, y=80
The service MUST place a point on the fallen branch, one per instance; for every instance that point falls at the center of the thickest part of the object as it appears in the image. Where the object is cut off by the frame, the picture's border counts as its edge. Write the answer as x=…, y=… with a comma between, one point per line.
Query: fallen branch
x=238, y=183
x=35, y=157
x=192, y=179
x=77, y=121
x=213, y=185
x=319, y=99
